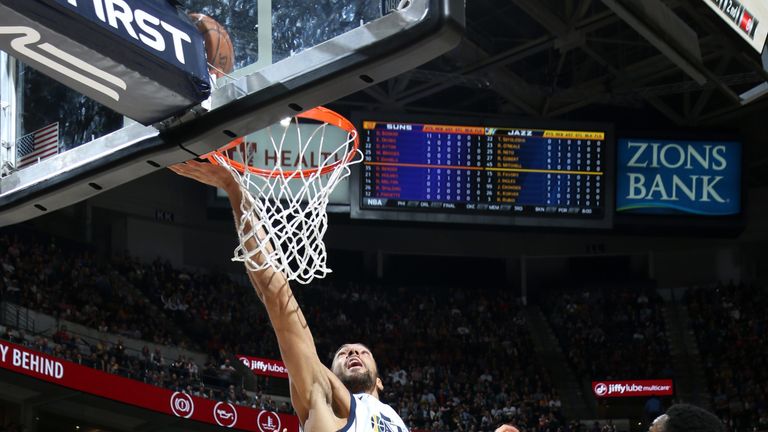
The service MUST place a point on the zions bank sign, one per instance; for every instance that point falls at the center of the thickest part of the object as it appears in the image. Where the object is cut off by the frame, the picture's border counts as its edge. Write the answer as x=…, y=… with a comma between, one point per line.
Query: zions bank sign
x=141, y=58
x=678, y=177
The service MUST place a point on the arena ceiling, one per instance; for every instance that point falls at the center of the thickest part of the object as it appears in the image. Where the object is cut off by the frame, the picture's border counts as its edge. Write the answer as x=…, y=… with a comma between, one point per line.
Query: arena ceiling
x=667, y=65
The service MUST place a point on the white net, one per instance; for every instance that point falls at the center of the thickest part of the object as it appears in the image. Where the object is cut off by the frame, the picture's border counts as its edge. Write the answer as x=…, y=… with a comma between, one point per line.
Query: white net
x=284, y=215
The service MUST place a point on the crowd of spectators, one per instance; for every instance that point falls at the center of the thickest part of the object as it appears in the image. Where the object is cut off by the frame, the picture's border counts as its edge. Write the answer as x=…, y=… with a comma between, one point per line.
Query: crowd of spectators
x=452, y=359
x=212, y=380
x=612, y=333
x=731, y=326
x=71, y=283
x=465, y=371
x=75, y=284
x=219, y=314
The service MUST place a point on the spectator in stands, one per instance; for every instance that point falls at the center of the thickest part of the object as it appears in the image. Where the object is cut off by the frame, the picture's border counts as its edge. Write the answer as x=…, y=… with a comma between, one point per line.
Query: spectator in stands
x=591, y=325
x=730, y=324
x=119, y=349
x=53, y=279
x=62, y=336
x=157, y=358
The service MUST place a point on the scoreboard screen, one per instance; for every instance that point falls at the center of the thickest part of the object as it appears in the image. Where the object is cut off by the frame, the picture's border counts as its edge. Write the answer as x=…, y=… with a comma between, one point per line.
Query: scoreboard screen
x=475, y=173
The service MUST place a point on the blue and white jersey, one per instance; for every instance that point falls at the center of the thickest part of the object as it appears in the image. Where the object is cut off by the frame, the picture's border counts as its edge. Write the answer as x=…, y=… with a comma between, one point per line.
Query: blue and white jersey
x=368, y=414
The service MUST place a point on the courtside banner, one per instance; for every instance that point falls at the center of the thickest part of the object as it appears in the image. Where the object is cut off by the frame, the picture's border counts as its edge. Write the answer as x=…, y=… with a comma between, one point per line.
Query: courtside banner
x=66, y=374
x=634, y=388
x=141, y=58
x=748, y=18
x=678, y=177
x=262, y=366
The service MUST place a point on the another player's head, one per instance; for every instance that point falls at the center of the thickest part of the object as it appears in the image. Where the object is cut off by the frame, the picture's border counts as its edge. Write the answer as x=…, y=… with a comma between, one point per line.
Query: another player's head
x=686, y=418
x=354, y=365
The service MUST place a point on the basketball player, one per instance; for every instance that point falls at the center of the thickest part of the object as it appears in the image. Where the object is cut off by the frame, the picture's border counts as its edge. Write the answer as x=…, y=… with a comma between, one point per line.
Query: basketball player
x=686, y=418
x=345, y=398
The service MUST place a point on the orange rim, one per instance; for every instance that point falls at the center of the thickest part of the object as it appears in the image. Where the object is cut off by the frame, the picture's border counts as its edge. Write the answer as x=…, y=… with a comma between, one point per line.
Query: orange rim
x=319, y=114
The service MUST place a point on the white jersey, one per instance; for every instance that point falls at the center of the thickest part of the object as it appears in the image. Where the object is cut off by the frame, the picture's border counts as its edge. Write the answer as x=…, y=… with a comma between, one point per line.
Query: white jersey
x=368, y=414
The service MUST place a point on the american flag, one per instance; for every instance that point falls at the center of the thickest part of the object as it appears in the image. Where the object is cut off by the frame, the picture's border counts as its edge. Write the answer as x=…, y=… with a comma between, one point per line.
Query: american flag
x=37, y=145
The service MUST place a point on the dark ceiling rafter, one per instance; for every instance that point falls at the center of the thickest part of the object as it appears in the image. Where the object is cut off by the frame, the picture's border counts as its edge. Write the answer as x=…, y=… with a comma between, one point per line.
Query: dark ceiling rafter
x=486, y=67
x=556, y=57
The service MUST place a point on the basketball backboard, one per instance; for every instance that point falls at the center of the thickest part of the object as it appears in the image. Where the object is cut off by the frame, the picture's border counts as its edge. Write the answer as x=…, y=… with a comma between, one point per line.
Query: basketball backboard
x=289, y=56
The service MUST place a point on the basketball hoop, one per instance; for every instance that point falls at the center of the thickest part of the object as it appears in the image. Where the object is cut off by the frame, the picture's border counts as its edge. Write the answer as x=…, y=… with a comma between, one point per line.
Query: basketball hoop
x=284, y=210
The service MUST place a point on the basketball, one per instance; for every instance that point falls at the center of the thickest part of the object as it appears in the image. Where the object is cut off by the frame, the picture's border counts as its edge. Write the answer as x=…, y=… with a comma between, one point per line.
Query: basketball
x=218, y=46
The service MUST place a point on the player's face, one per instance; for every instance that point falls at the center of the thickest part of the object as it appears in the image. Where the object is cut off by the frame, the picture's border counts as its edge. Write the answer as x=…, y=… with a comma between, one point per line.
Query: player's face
x=356, y=368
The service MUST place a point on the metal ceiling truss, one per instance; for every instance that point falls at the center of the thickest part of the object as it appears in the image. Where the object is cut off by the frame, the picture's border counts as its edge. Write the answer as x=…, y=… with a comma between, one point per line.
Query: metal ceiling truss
x=691, y=79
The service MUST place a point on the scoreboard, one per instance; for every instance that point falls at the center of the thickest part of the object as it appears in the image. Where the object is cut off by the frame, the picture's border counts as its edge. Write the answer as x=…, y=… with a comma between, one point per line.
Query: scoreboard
x=516, y=174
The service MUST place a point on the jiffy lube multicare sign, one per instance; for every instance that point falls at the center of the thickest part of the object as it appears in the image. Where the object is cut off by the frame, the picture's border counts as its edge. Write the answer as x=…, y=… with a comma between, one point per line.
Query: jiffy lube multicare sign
x=678, y=177
x=632, y=388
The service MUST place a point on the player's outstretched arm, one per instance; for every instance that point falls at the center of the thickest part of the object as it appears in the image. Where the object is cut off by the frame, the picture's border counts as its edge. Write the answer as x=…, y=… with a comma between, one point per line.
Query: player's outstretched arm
x=312, y=384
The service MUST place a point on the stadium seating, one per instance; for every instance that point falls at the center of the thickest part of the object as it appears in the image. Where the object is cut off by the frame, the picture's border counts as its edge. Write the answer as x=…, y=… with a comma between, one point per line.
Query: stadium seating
x=452, y=358
x=731, y=324
x=445, y=365
x=604, y=332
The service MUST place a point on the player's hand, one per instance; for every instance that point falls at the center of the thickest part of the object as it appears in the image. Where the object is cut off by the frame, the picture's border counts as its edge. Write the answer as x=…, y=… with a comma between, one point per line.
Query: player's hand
x=507, y=428
x=207, y=173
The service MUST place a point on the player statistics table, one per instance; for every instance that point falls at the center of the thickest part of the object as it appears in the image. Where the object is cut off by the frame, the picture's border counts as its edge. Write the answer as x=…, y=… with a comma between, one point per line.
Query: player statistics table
x=468, y=169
